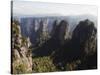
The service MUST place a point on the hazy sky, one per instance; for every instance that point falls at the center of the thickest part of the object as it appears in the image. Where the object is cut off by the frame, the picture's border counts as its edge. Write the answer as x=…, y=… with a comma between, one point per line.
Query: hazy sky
x=32, y=8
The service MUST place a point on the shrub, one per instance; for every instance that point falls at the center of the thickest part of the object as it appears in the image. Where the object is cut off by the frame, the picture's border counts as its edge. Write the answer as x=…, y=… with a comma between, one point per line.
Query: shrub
x=43, y=64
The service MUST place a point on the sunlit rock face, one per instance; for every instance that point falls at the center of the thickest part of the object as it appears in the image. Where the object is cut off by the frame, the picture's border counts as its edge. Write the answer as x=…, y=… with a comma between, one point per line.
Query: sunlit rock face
x=21, y=55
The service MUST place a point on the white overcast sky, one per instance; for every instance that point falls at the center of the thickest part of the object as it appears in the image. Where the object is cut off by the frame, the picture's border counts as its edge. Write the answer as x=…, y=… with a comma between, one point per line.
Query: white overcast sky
x=32, y=8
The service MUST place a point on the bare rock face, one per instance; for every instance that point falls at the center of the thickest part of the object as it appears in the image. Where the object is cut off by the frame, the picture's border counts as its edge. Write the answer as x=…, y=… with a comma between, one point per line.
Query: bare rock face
x=57, y=40
x=21, y=55
x=54, y=28
x=60, y=31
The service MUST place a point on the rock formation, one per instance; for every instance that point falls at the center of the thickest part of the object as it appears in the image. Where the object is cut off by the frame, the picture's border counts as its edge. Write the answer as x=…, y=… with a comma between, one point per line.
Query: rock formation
x=81, y=47
x=54, y=42
x=21, y=54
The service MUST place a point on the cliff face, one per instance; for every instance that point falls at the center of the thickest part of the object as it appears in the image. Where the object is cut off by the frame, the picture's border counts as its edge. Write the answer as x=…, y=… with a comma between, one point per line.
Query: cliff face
x=21, y=53
x=56, y=41
x=82, y=46
x=85, y=35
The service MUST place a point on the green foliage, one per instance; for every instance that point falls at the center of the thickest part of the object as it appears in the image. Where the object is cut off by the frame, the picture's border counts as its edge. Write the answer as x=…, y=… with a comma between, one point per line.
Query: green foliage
x=15, y=28
x=17, y=46
x=43, y=64
x=24, y=41
x=20, y=68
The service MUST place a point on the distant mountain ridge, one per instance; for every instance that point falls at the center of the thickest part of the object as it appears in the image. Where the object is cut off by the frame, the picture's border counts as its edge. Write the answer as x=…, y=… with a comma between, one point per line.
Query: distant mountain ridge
x=70, y=17
x=27, y=22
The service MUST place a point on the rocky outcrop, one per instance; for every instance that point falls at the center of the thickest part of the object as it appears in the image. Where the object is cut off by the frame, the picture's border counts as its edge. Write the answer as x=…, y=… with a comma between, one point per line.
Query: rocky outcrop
x=85, y=35
x=82, y=46
x=55, y=42
x=60, y=32
x=21, y=54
